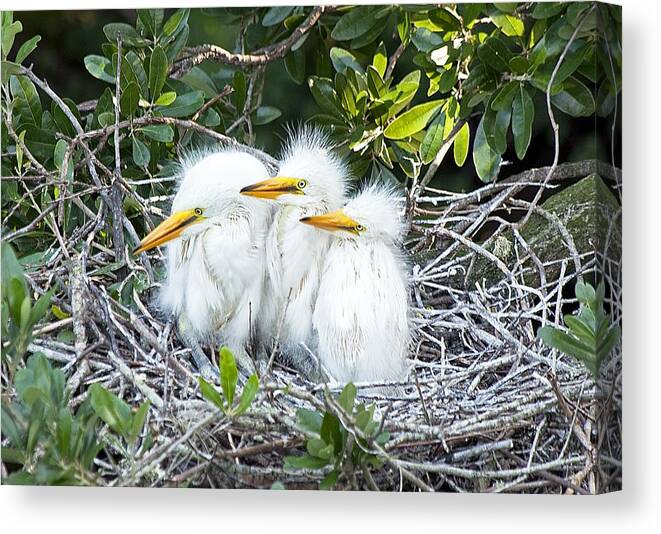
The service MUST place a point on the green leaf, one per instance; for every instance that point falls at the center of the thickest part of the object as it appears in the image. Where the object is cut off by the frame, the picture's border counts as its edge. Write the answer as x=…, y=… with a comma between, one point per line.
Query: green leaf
x=166, y=98
x=324, y=94
x=26, y=48
x=175, y=48
x=508, y=24
x=343, y=60
x=40, y=142
x=151, y=19
x=248, y=394
x=444, y=19
x=210, y=118
x=140, y=153
x=330, y=431
x=329, y=480
x=523, y=116
x=138, y=421
x=295, y=65
x=9, y=33
x=275, y=15
x=111, y=409
x=380, y=60
x=119, y=30
x=26, y=99
x=579, y=328
x=35, y=424
x=495, y=128
x=569, y=345
x=486, y=160
x=58, y=153
x=461, y=142
x=9, y=68
x=347, y=397
x=494, y=53
x=100, y=67
x=184, y=105
x=210, y=393
x=544, y=10
x=197, y=78
x=354, y=23
x=426, y=41
x=176, y=22
x=158, y=71
x=575, y=99
x=608, y=343
x=433, y=139
x=265, y=114
x=412, y=121
x=41, y=307
x=305, y=462
x=128, y=101
x=158, y=132
x=228, y=375
x=309, y=420
x=504, y=96
x=240, y=90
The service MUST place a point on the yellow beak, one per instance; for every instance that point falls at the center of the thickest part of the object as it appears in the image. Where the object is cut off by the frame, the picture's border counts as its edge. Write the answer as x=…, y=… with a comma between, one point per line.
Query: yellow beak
x=170, y=228
x=333, y=221
x=274, y=187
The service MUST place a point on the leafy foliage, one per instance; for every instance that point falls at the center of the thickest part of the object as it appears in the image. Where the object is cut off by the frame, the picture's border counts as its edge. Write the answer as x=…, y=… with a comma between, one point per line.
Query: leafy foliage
x=51, y=443
x=228, y=380
x=19, y=314
x=330, y=444
x=589, y=337
x=493, y=60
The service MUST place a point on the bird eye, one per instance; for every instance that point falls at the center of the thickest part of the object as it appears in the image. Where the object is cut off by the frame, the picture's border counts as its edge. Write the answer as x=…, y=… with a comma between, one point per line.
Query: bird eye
x=360, y=228
x=198, y=212
x=301, y=184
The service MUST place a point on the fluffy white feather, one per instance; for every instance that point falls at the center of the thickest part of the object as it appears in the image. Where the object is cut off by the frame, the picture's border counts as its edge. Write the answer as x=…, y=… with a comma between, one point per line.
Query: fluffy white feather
x=215, y=268
x=295, y=252
x=361, y=313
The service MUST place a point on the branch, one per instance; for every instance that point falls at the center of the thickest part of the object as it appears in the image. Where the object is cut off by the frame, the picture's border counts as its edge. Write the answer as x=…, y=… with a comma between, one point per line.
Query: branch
x=196, y=55
x=554, y=124
x=270, y=162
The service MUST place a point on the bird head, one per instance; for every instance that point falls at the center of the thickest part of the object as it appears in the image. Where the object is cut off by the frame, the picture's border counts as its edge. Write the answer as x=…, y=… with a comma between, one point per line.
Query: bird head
x=311, y=174
x=373, y=214
x=207, y=195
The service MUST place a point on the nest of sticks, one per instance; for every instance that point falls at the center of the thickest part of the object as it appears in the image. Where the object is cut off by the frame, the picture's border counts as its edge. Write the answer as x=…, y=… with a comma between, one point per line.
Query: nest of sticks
x=487, y=406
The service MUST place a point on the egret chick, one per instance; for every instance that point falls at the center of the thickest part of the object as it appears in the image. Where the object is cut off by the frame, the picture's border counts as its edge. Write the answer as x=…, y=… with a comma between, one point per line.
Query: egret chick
x=361, y=313
x=215, y=253
x=312, y=180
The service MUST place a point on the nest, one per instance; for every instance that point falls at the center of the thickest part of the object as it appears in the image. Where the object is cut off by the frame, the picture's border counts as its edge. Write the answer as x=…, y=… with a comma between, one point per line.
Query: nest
x=487, y=406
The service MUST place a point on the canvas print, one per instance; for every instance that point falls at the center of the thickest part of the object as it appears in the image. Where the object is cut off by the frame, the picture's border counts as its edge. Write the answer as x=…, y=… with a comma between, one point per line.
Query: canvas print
x=348, y=247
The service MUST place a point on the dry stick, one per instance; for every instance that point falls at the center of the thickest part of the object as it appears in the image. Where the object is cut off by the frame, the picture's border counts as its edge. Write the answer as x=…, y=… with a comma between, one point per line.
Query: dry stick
x=117, y=223
x=267, y=160
x=196, y=55
x=116, y=197
x=227, y=90
x=238, y=453
x=394, y=58
x=554, y=124
x=276, y=341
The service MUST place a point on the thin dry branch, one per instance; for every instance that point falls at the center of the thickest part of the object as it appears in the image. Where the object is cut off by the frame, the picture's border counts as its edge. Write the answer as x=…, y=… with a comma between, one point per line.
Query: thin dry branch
x=198, y=54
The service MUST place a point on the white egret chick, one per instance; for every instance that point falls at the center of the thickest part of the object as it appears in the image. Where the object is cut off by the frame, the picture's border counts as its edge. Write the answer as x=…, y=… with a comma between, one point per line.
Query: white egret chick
x=312, y=180
x=215, y=253
x=361, y=313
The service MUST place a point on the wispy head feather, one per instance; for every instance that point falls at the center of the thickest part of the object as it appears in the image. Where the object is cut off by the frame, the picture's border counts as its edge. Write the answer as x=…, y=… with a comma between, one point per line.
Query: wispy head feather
x=377, y=207
x=309, y=153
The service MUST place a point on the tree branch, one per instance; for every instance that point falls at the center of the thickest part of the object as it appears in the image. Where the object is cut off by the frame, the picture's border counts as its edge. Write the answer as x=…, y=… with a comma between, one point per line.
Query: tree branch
x=196, y=55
